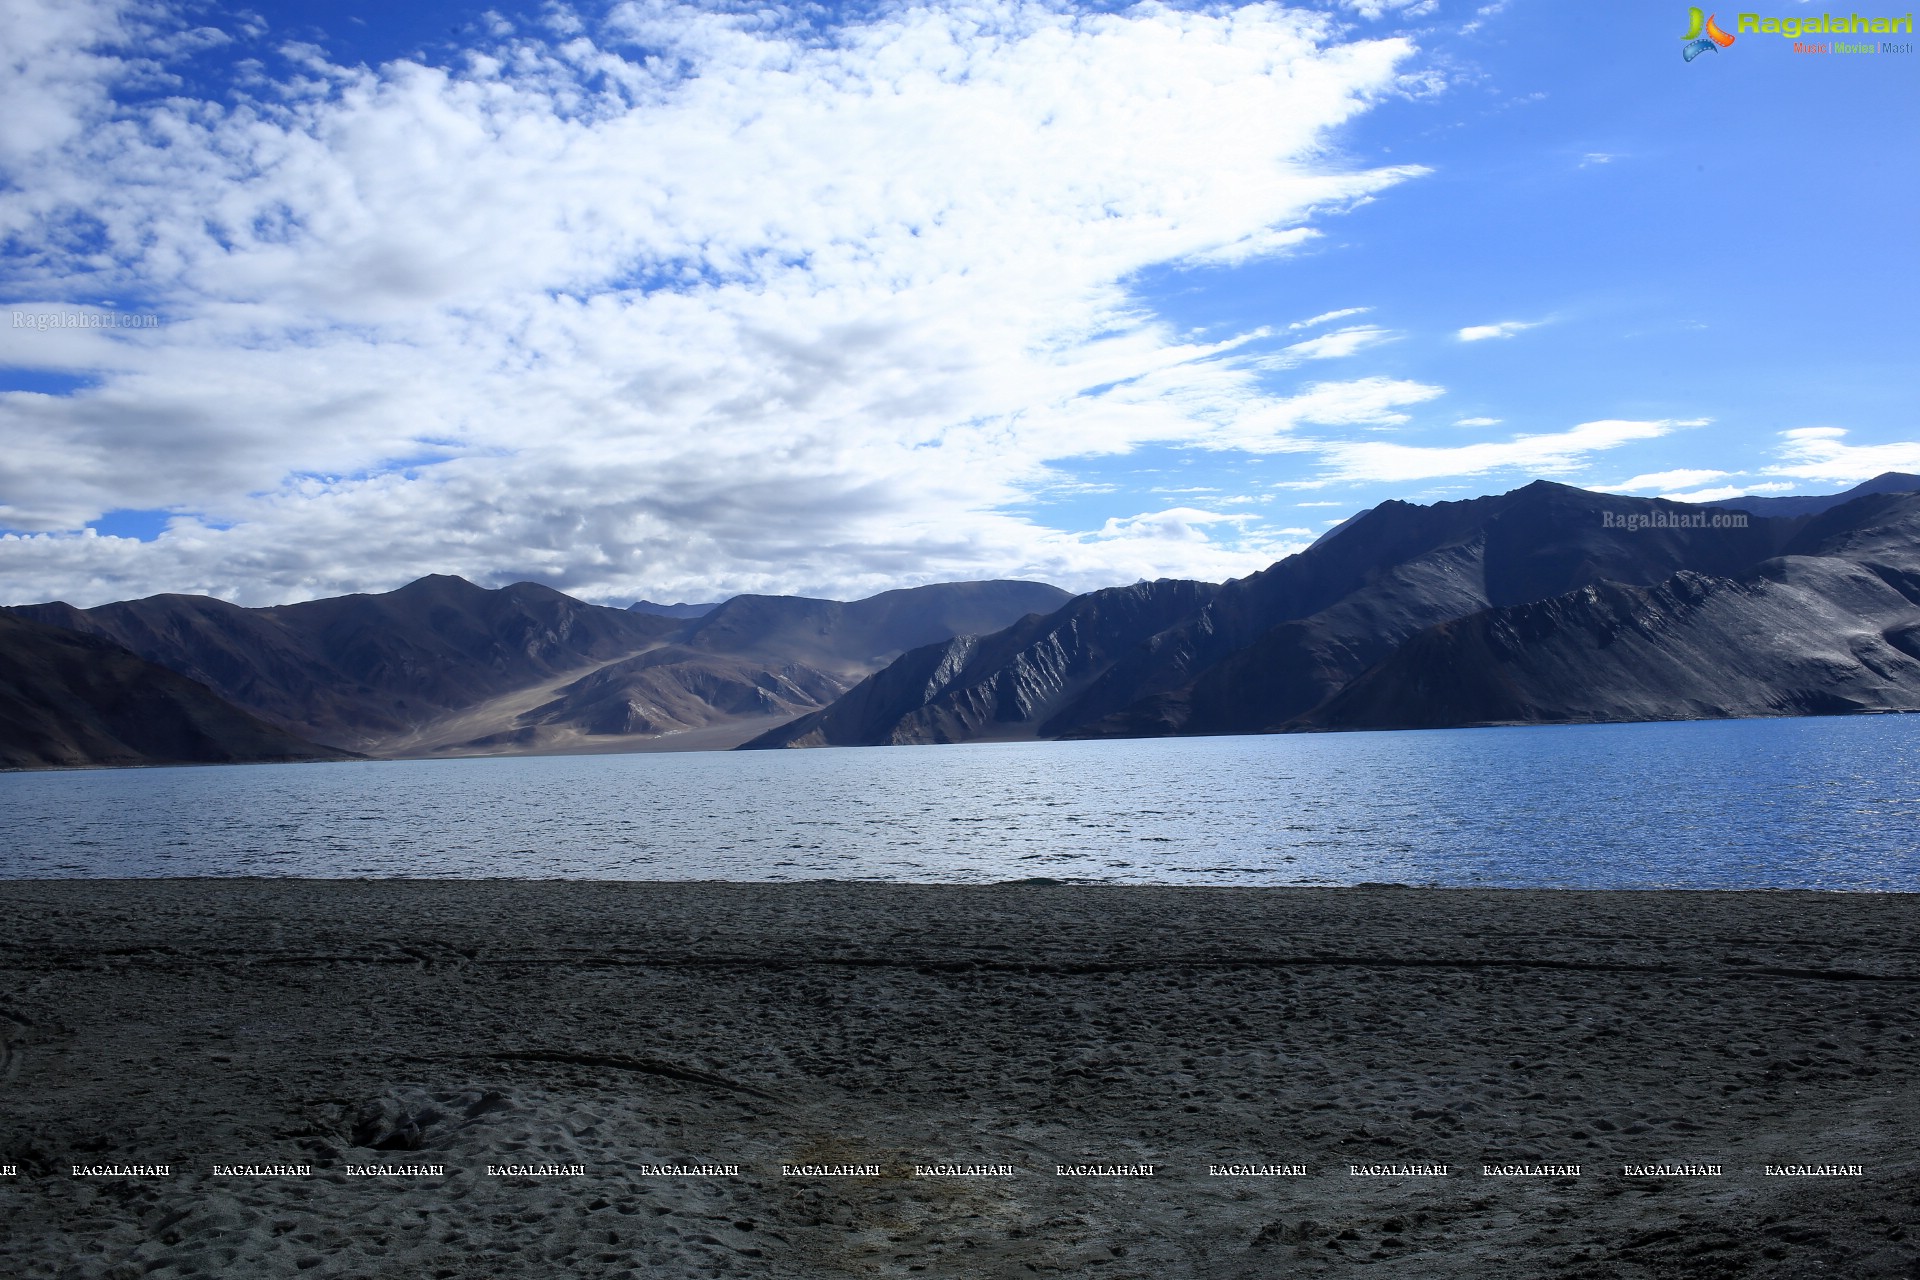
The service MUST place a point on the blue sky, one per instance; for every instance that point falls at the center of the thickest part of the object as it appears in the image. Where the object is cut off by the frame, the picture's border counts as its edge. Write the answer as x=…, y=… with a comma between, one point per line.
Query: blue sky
x=660, y=300
x=1729, y=240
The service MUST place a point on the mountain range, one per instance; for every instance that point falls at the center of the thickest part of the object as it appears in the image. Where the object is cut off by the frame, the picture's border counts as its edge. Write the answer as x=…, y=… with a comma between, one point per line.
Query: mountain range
x=1548, y=604
x=443, y=667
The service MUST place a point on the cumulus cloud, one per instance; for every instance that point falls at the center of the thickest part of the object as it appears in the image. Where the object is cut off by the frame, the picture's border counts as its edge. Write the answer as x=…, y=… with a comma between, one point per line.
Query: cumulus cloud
x=1821, y=453
x=1504, y=329
x=1549, y=454
x=679, y=302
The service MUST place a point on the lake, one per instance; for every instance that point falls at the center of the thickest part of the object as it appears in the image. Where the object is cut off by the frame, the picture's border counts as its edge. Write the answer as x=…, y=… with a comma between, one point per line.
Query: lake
x=1822, y=803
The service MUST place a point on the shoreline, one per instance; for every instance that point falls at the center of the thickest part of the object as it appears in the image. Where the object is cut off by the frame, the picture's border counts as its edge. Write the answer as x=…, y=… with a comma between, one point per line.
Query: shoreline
x=607, y=1045
x=674, y=743
x=1035, y=883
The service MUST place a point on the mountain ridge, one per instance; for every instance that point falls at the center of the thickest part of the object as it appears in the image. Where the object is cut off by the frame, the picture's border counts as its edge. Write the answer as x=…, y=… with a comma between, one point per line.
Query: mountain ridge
x=1544, y=604
x=1261, y=653
x=1832, y=626
x=441, y=666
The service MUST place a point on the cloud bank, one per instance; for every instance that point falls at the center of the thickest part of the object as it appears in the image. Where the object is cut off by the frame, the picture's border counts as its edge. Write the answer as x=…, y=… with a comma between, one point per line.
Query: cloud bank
x=668, y=301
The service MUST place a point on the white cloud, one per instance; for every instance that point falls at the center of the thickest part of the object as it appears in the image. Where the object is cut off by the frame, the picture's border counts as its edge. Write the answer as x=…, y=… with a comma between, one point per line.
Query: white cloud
x=1380, y=8
x=1504, y=329
x=1553, y=454
x=688, y=301
x=53, y=80
x=1328, y=317
x=1724, y=492
x=1484, y=12
x=1820, y=453
x=1218, y=540
x=1330, y=346
x=1667, y=481
x=1476, y=422
x=1266, y=424
x=1183, y=524
x=1593, y=158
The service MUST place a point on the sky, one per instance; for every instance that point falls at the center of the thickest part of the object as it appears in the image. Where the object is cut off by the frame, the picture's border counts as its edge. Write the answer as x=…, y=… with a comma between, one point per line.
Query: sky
x=675, y=301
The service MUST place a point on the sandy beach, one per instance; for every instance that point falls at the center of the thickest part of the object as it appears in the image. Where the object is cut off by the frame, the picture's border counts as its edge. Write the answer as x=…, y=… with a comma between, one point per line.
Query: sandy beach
x=468, y=1080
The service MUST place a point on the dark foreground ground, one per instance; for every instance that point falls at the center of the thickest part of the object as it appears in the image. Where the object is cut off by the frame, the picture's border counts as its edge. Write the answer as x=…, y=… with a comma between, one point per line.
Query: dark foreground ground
x=621, y=1026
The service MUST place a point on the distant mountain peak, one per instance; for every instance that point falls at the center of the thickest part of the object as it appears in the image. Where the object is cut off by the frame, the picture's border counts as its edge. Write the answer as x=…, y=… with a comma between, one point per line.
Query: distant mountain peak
x=437, y=582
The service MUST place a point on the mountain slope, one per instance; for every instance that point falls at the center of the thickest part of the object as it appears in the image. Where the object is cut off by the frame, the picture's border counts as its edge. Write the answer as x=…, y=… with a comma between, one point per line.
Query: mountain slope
x=999, y=686
x=1258, y=651
x=1802, y=637
x=1303, y=628
x=68, y=699
x=755, y=662
x=355, y=671
x=863, y=635
x=1833, y=627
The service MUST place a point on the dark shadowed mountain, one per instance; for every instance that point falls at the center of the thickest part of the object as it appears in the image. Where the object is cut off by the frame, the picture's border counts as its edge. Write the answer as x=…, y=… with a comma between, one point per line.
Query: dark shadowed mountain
x=442, y=666
x=71, y=699
x=673, y=610
x=1278, y=643
x=1833, y=626
x=1261, y=653
x=362, y=671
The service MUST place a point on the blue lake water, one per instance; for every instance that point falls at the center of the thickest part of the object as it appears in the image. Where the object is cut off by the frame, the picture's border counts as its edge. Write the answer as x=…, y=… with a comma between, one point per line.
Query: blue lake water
x=1829, y=803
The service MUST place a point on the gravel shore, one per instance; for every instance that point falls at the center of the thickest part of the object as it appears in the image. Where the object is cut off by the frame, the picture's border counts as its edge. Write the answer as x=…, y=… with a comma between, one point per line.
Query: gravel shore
x=476, y=1080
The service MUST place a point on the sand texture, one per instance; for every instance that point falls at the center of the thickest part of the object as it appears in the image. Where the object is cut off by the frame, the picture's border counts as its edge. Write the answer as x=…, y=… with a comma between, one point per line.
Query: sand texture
x=623, y=1027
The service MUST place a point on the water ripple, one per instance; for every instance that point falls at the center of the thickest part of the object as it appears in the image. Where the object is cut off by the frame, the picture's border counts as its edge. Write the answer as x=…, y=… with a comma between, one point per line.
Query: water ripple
x=1812, y=803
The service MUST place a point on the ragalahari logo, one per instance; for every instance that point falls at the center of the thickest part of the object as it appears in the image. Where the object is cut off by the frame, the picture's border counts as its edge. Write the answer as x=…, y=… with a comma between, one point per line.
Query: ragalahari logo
x=1703, y=35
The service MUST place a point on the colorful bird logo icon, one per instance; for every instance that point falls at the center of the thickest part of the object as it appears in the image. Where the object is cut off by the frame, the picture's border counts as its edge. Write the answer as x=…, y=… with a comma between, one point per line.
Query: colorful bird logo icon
x=1703, y=35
